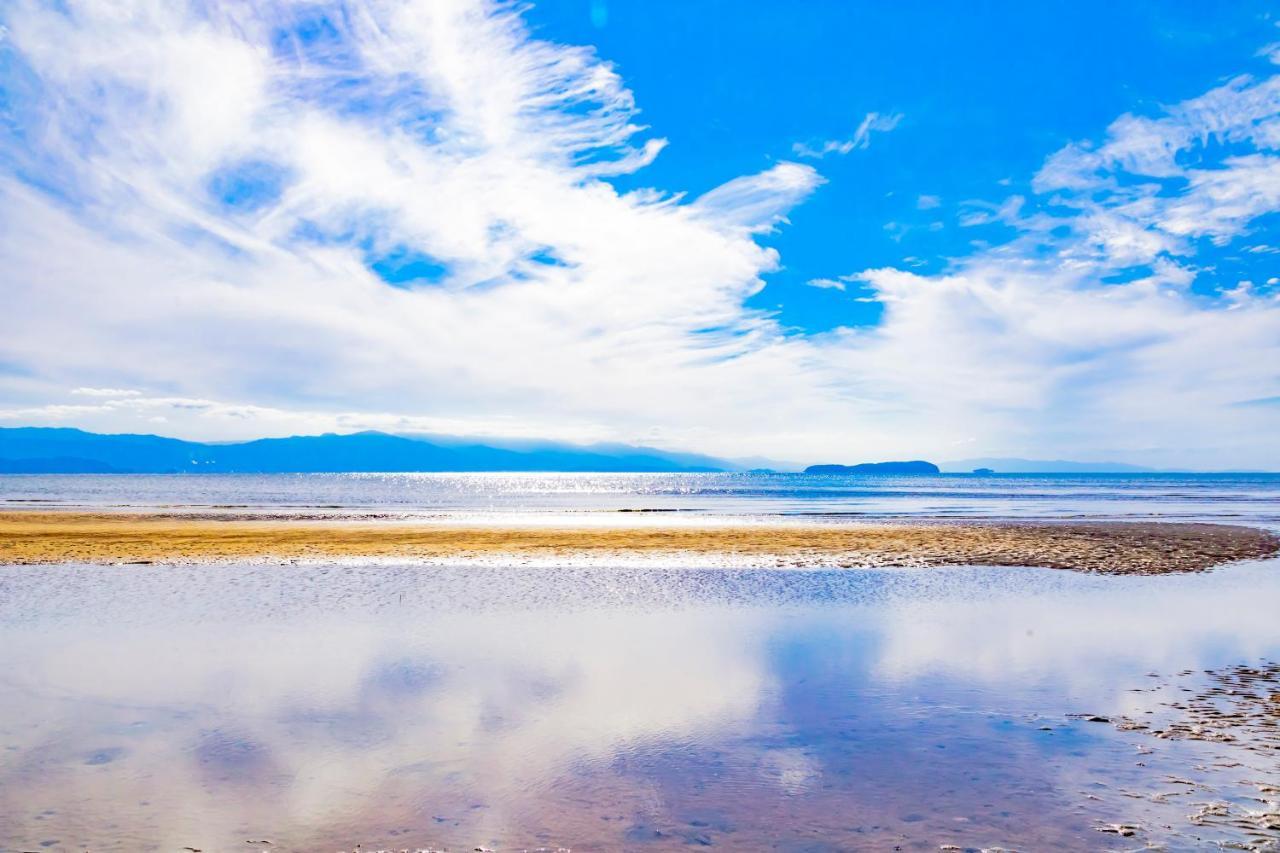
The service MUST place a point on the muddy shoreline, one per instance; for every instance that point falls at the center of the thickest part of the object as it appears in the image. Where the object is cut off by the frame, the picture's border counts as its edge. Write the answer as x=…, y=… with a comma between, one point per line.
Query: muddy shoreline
x=39, y=536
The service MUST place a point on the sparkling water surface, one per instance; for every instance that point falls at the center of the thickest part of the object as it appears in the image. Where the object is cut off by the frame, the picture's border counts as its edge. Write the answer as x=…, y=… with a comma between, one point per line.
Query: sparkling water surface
x=411, y=707
x=1248, y=498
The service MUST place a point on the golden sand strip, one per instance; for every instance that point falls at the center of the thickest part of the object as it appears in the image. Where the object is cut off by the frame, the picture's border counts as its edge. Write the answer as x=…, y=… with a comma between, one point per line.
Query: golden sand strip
x=28, y=537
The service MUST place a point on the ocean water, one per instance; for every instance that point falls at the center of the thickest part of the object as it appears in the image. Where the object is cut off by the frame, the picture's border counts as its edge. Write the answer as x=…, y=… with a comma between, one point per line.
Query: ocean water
x=1243, y=498
x=668, y=707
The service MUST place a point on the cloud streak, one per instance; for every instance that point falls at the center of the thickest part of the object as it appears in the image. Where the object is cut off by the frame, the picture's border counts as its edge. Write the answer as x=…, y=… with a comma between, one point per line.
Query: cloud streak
x=872, y=123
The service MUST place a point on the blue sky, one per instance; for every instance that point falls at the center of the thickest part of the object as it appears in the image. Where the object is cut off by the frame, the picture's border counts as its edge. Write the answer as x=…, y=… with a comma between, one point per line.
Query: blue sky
x=862, y=229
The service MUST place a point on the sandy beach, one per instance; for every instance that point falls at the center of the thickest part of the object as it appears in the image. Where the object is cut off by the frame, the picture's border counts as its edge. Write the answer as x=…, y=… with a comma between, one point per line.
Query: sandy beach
x=28, y=537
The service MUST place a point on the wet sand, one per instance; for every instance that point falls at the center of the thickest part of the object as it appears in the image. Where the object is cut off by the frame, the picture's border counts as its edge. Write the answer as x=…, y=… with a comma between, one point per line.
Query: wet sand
x=1231, y=785
x=29, y=537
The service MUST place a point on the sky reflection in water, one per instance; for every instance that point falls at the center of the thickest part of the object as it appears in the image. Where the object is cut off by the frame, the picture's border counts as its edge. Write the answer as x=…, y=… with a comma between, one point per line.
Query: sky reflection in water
x=319, y=707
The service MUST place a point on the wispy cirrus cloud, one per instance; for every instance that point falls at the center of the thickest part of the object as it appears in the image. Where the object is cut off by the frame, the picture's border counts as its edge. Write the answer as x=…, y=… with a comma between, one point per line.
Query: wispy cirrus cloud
x=1207, y=168
x=872, y=123
x=111, y=393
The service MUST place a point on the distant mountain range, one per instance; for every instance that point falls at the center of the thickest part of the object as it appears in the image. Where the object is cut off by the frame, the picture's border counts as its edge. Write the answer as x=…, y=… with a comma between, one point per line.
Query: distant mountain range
x=41, y=450
x=49, y=450
x=1042, y=466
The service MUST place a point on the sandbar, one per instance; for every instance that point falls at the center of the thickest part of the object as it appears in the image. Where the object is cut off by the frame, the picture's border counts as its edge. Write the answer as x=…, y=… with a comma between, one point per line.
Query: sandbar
x=1147, y=547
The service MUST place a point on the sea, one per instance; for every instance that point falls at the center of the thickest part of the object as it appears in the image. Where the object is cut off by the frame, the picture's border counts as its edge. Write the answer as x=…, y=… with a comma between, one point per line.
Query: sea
x=1239, y=498
x=407, y=707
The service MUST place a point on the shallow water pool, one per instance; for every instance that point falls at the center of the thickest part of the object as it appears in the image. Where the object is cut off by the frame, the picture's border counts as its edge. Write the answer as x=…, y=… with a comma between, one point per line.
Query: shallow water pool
x=409, y=707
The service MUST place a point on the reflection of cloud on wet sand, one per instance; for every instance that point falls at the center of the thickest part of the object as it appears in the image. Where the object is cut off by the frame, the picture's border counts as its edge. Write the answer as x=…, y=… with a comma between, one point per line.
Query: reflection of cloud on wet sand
x=283, y=703
x=1073, y=635
x=1132, y=652
x=319, y=725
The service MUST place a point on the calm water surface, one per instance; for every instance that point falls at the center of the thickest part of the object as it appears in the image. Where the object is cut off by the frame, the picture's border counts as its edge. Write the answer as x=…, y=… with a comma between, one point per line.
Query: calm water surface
x=157, y=707
x=411, y=707
x=1248, y=498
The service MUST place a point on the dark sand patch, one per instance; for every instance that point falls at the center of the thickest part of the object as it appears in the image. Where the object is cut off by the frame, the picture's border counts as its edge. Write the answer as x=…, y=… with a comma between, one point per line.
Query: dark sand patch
x=1229, y=797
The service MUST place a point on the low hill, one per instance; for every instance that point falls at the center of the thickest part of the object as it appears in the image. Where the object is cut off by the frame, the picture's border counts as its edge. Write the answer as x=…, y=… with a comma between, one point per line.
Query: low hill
x=917, y=466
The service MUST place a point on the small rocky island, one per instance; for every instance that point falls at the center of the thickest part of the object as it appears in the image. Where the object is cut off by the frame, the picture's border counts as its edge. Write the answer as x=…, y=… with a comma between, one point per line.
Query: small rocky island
x=917, y=466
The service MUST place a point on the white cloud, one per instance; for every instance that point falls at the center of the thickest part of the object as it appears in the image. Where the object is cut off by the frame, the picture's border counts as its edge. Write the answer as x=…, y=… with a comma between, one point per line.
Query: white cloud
x=105, y=392
x=985, y=213
x=928, y=202
x=130, y=260
x=871, y=123
x=874, y=123
x=1155, y=184
x=826, y=283
x=758, y=202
